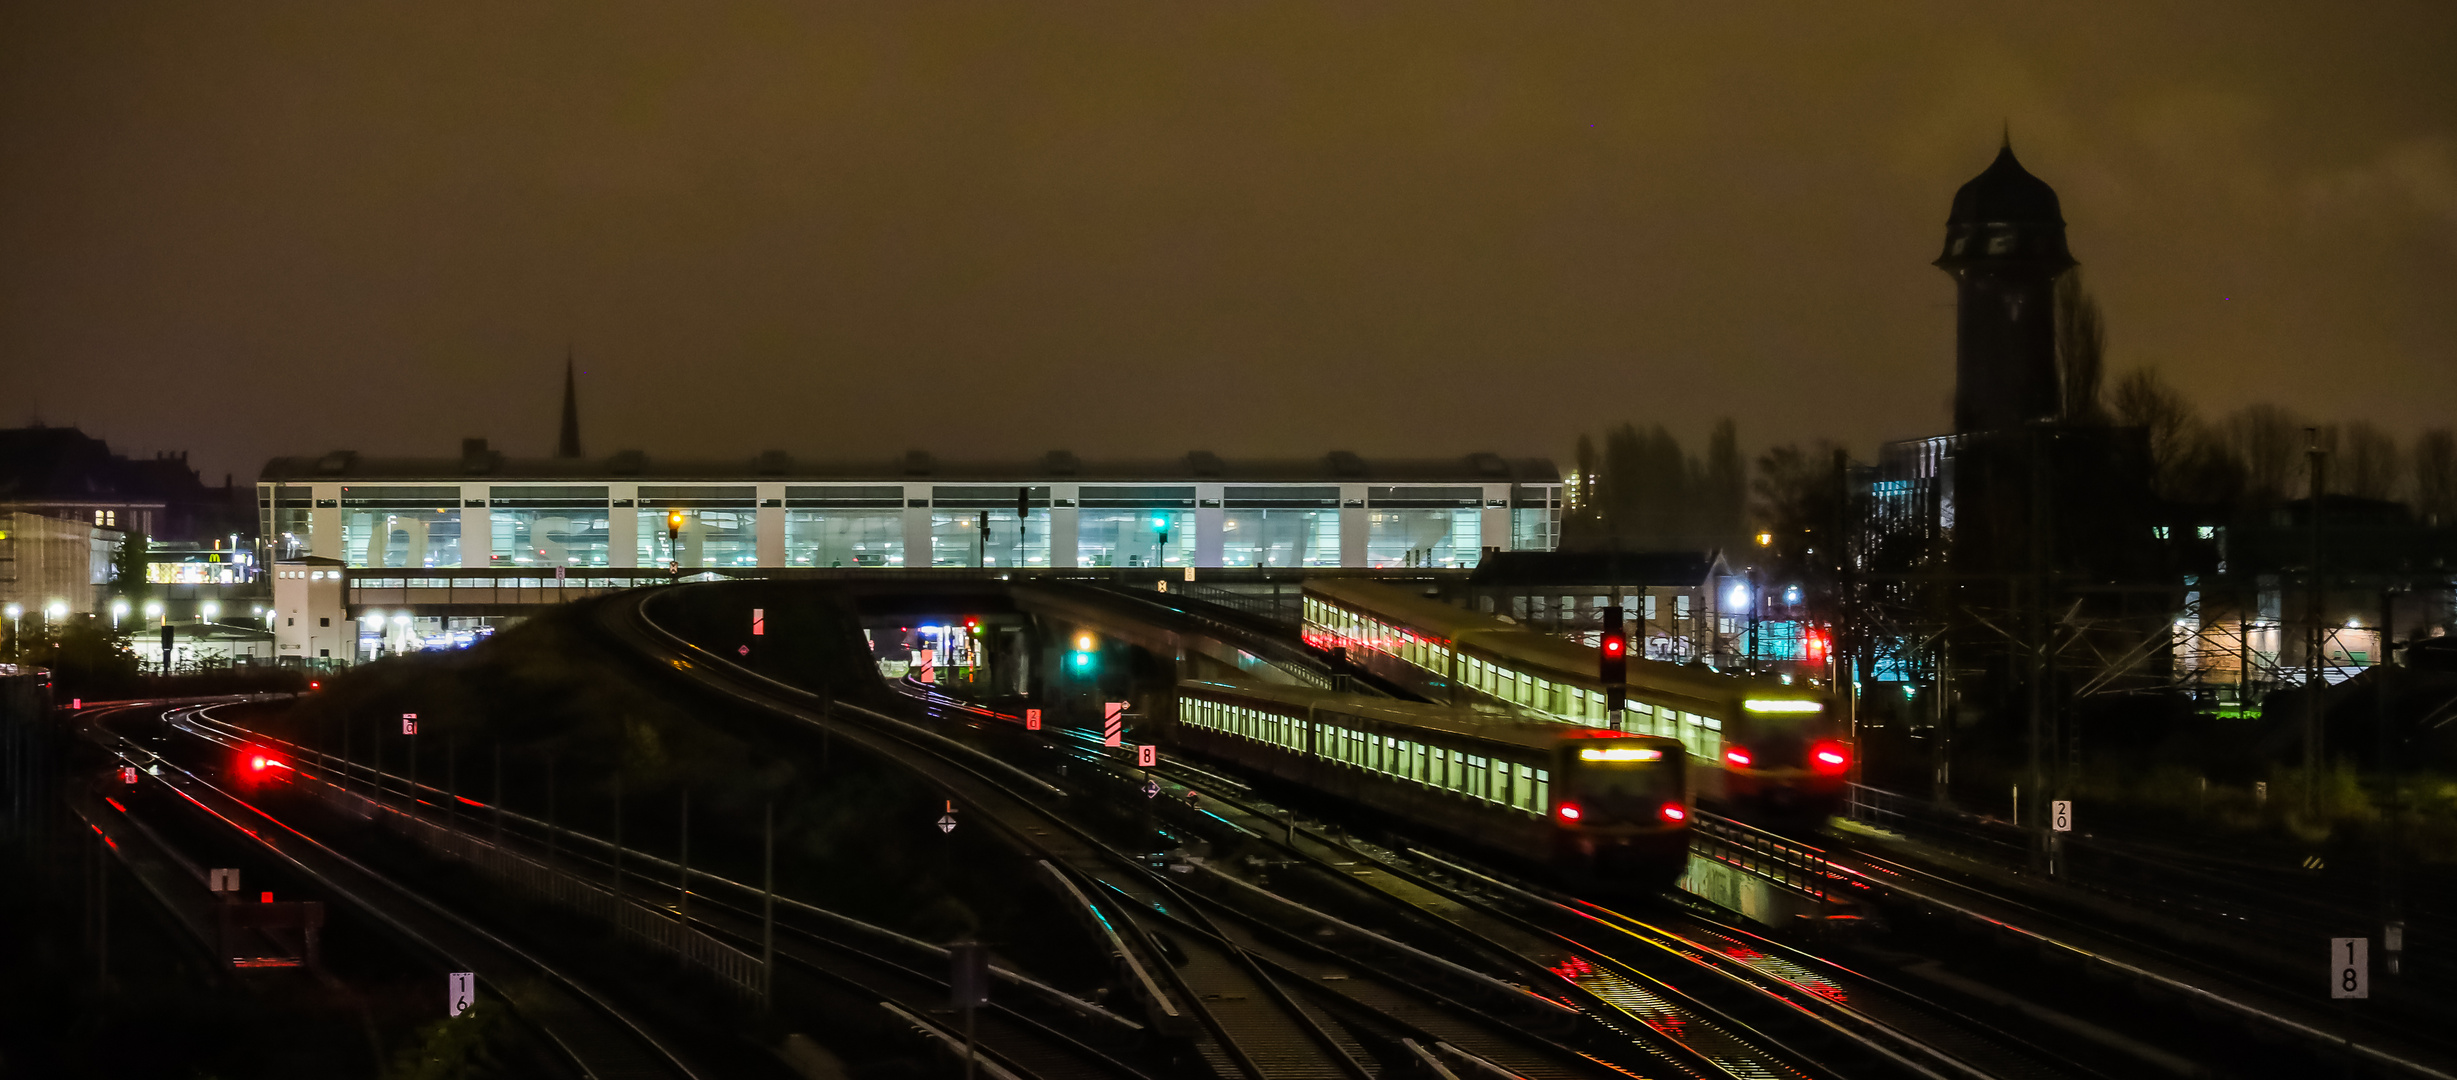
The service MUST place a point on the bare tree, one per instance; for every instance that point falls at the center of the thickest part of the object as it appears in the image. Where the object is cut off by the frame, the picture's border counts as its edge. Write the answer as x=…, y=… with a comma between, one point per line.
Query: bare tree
x=2145, y=400
x=2269, y=441
x=2370, y=464
x=2435, y=475
x=2081, y=350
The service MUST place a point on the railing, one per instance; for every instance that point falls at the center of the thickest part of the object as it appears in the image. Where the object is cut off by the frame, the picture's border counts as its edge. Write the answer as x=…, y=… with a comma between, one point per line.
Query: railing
x=1793, y=865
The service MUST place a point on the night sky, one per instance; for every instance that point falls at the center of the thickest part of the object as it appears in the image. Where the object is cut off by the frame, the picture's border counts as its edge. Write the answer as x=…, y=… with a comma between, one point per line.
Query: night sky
x=250, y=229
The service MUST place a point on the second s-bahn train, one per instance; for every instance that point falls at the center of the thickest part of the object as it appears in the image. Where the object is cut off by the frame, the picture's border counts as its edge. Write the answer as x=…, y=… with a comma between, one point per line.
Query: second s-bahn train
x=1758, y=749
x=1603, y=809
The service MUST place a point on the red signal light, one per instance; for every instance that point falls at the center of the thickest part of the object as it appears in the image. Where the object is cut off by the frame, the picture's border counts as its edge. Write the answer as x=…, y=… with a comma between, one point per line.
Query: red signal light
x=1614, y=646
x=257, y=763
x=1569, y=812
x=1674, y=812
x=1829, y=757
x=1738, y=756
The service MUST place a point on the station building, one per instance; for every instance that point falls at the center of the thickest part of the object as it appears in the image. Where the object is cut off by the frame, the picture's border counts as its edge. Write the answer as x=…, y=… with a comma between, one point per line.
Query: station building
x=485, y=521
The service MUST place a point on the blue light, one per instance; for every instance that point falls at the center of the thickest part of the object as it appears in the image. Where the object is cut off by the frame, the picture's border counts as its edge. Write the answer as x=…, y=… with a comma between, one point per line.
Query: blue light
x=1160, y=523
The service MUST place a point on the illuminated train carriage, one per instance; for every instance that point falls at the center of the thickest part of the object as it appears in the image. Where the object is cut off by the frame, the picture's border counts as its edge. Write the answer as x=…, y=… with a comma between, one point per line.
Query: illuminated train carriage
x=1757, y=748
x=1602, y=808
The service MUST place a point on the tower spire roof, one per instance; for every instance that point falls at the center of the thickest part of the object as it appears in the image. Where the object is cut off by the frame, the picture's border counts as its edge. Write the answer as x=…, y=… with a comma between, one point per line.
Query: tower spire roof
x=569, y=445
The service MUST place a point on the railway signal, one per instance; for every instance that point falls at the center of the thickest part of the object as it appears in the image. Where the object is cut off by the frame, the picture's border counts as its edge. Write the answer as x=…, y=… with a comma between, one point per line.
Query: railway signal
x=1613, y=663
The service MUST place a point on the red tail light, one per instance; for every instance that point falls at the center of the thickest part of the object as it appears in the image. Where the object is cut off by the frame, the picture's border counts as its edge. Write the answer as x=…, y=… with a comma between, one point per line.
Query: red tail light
x=1568, y=811
x=257, y=763
x=1673, y=812
x=1738, y=756
x=1829, y=757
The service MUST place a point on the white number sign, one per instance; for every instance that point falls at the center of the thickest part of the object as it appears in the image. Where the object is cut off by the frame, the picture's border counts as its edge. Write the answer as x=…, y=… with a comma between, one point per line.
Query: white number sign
x=463, y=992
x=2060, y=816
x=2350, y=967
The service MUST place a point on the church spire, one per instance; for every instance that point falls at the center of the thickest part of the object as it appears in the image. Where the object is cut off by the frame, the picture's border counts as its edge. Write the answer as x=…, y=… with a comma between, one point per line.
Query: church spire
x=569, y=445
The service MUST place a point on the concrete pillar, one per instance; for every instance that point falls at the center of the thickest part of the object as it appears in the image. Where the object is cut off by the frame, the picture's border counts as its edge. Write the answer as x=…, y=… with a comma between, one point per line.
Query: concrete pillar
x=1210, y=521
x=1354, y=526
x=477, y=527
x=771, y=525
x=1062, y=522
x=1494, y=529
x=917, y=524
x=623, y=527
x=324, y=522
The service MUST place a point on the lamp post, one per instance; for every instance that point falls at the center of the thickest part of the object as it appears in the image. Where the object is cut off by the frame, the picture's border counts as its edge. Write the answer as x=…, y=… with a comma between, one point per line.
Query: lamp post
x=119, y=610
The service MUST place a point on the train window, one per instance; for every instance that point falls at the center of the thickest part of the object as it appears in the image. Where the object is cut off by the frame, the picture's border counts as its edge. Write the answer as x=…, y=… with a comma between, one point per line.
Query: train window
x=1624, y=790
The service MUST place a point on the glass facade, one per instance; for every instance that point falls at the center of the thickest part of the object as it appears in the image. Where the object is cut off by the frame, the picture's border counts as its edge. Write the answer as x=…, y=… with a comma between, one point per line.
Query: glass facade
x=720, y=526
x=544, y=524
x=1413, y=526
x=957, y=514
x=844, y=525
x=286, y=518
x=1135, y=526
x=548, y=526
x=1280, y=526
x=400, y=526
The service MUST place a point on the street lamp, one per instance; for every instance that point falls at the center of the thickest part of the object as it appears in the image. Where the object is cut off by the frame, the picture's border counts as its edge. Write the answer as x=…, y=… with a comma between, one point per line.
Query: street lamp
x=210, y=611
x=119, y=610
x=153, y=609
x=57, y=611
x=15, y=613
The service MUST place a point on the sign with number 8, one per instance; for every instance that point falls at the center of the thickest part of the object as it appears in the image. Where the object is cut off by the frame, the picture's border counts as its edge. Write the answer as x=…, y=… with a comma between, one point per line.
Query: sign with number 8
x=2350, y=962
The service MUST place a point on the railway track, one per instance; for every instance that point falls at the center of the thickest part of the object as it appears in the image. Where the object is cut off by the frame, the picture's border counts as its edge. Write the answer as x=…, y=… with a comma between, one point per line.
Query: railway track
x=1829, y=1018
x=600, y=1039
x=1261, y=994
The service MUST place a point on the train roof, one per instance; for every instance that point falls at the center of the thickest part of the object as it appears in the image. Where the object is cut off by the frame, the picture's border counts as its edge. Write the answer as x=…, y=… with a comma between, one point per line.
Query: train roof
x=1546, y=654
x=1482, y=723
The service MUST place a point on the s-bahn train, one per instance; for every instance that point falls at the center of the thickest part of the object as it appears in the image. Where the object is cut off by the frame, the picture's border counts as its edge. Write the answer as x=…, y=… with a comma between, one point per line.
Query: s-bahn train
x=1602, y=809
x=1758, y=749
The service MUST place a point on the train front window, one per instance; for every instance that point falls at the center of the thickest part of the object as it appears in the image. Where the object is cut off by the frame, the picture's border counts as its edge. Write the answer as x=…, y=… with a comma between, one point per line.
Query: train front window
x=1616, y=784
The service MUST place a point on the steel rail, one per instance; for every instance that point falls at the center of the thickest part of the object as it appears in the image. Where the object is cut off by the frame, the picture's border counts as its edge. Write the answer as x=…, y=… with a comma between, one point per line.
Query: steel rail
x=570, y=985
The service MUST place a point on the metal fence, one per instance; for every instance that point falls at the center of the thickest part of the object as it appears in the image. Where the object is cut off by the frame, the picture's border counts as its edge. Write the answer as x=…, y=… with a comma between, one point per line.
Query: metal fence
x=739, y=971
x=1795, y=866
